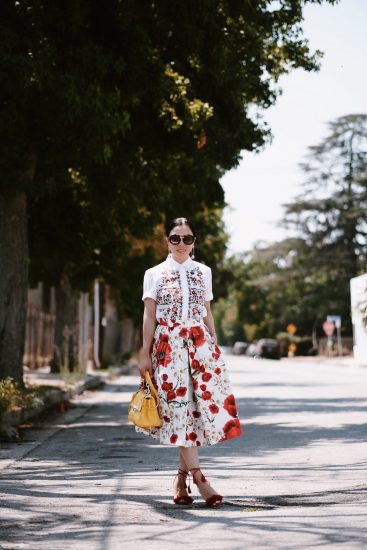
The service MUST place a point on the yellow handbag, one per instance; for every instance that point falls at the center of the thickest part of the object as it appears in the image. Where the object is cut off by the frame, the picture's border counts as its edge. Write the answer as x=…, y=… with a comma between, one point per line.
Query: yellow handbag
x=143, y=407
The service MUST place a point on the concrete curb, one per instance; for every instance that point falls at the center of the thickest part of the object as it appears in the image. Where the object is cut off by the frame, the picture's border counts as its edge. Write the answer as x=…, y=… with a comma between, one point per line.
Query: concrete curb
x=52, y=397
x=10, y=419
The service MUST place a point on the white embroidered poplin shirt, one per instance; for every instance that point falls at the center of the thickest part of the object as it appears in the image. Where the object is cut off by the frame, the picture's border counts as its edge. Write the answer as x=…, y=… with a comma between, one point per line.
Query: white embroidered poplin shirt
x=179, y=290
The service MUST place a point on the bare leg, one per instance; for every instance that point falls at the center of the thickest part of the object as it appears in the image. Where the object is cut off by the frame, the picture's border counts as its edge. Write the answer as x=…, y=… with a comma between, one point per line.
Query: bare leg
x=183, y=465
x=190, y=457
x=180, y=481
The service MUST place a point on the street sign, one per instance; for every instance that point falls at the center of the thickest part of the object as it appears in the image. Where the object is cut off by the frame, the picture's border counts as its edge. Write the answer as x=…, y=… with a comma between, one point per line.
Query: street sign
x=336, y=319
x=328, y=327
x=291, y=328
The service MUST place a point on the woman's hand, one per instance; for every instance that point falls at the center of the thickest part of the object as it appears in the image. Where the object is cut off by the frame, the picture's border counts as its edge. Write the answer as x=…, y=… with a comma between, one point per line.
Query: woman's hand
x=145, y=363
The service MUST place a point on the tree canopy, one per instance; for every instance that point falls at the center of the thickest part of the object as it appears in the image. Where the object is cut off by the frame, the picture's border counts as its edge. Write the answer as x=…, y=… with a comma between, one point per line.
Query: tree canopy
x=305, y=277
x=105, y=111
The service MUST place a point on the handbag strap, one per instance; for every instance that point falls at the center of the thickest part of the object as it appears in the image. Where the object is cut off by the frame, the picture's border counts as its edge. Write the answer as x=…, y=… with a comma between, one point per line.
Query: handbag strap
x=151, y=385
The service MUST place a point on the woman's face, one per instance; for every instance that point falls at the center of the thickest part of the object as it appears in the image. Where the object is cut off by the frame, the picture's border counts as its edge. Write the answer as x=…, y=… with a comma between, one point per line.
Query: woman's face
x=180, y=252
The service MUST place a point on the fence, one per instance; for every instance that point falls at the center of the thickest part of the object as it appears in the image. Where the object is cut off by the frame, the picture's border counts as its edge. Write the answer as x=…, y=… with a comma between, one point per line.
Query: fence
x=40, y=335
x=95, y=330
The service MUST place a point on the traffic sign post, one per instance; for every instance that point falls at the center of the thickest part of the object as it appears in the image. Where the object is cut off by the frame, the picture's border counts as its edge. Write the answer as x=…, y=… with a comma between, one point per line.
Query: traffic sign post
x=329, y=328
x=291, y=328
x=292, y=348
x=337, y=320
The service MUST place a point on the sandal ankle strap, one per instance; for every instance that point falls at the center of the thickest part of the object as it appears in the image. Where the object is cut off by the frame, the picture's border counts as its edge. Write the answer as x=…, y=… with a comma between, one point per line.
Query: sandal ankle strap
x=193, y=472
x=184, y=474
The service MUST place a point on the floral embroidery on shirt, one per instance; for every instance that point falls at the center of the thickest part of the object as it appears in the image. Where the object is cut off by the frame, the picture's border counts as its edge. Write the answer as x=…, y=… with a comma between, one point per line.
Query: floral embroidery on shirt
x=170, y=297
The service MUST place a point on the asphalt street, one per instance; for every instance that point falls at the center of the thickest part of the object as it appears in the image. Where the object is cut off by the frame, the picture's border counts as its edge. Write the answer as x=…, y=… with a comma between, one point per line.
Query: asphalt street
x=297, y=479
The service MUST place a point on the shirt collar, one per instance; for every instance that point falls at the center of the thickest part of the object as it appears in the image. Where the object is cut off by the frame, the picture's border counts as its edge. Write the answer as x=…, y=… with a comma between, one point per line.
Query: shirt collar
x=188, y=264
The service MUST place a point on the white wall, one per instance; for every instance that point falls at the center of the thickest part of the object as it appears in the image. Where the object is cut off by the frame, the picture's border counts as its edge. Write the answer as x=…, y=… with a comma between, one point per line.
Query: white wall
x=358, y=289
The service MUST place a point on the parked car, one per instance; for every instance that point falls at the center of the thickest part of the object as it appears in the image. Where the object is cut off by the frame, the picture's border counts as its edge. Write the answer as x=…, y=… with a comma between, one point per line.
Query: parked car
x=239, y=348
x=252, y=350
x=265, y=347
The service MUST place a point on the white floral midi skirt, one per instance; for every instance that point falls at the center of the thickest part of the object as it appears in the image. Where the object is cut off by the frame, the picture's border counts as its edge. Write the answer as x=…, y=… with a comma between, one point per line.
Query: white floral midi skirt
x=197, y=406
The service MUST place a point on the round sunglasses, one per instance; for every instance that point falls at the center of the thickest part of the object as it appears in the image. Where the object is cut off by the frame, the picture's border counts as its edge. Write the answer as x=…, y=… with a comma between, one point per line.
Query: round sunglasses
x=186, y=239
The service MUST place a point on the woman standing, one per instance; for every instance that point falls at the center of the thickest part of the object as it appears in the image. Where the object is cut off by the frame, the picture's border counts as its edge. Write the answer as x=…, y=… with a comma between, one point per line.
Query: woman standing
x=180, y=349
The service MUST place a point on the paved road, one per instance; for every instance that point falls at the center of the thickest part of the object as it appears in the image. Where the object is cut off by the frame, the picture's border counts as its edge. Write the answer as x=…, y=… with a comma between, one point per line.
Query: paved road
x=297, y=479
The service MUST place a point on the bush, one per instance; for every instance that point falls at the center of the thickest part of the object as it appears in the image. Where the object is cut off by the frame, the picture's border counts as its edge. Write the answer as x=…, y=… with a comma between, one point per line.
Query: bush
x=11, y=397
x=303, y=343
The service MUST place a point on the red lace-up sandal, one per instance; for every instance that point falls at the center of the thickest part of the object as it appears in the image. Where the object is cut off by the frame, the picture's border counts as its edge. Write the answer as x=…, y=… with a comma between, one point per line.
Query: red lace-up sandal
x=181, y=497
x=215, y=500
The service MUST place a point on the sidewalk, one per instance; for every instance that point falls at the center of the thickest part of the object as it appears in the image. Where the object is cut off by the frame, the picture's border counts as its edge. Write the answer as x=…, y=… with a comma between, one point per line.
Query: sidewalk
x=57, y=390
x=344, y=361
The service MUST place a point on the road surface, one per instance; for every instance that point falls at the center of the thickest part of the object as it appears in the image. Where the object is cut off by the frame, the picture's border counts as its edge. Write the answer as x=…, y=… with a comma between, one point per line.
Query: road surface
x=85, y=480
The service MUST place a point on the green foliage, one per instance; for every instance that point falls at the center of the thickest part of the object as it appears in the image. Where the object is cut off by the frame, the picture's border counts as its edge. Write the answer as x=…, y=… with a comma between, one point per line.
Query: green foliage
x=304, y=278
x=228, y=327
x=330, y=215
x=11, y=397
x=101, y=108
x=118, y=94
x=303, y=344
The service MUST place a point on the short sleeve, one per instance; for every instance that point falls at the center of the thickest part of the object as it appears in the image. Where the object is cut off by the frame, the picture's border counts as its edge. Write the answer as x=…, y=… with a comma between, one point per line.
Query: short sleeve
x=149, y=289
x=208, y=285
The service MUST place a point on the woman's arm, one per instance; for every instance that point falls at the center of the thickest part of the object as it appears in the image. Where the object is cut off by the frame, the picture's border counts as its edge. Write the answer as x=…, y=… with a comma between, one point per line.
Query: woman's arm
x=209, y=321
x=149, y=324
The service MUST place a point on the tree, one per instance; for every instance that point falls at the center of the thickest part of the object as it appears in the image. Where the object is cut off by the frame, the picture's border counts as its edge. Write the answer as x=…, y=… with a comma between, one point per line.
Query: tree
x=305, y=277
x=101, y=110
x=279, y=291
x=330, y=214
x=262, y=287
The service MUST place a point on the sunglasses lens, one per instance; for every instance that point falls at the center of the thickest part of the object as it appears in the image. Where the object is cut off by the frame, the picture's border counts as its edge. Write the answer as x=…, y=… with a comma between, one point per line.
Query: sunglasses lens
x=188, y=239
x=176, y=239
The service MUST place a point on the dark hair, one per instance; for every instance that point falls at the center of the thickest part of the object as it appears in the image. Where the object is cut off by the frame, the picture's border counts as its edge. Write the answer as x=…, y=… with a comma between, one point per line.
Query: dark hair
x=176, y=222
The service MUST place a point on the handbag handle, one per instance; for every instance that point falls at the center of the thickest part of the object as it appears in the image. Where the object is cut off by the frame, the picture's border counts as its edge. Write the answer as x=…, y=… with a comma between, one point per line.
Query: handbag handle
x=151, y=385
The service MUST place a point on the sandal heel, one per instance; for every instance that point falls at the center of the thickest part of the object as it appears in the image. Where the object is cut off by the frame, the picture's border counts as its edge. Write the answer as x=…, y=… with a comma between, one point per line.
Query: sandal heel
x=180, y=498
x=215, y=500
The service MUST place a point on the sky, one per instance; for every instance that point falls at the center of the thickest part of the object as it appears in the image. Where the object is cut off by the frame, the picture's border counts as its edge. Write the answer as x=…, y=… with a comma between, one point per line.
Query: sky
x=256, y=190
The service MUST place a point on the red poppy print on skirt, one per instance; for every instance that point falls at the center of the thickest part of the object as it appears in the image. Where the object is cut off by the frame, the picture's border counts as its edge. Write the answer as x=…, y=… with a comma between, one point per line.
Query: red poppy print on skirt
x=167, y=386
x=216, y=353
x=197, y=404
x=197, y=335
x=230, y=405
x=232, y=429
x=163, y=351
x=171, y=395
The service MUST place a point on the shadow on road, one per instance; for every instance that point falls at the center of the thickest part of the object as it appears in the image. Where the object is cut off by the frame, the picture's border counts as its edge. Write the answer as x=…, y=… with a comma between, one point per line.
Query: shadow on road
x=95, y=477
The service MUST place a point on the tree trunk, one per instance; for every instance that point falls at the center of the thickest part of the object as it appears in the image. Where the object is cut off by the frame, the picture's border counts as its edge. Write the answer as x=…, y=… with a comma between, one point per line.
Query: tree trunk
x=66, y=320
x=13, y=284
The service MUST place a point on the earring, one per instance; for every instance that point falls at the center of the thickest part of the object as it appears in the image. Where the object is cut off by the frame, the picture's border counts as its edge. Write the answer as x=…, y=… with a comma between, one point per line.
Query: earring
x=169, y=253
x=192, y=253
